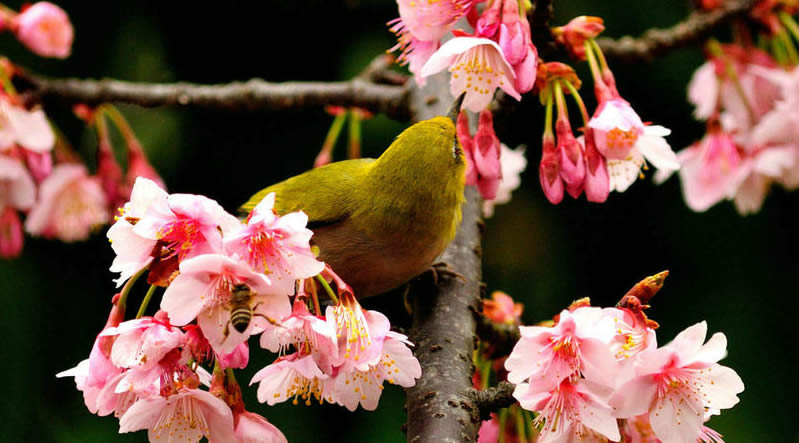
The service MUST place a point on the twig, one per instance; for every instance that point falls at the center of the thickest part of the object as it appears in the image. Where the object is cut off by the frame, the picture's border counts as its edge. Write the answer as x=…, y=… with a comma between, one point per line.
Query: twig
x=695, y=27
x=499, y=339
x=494, y=398
x=255, y=94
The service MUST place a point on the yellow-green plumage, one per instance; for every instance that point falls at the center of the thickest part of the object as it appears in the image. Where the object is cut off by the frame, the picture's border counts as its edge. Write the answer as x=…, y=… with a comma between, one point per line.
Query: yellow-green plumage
x=378, y=223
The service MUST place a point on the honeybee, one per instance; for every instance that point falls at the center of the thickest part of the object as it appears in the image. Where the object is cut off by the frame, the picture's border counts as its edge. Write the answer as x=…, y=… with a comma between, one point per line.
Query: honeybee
x=241, y=313
x=240, y=310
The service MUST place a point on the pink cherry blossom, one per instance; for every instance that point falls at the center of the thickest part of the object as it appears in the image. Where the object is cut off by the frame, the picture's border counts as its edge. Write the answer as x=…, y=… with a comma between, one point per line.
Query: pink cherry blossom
x=396, y=364
x=526, y=70
x=574, y=34
x=430, y=21
x=253, y=428
x=675, y=384
x=292, y=377
x=17, y=189
x=572, y=411
x=572, y=159
x=620, y=135
x=489, y=430
x=40, y=164
x=29, y=129
x=143, y=342
x=711, y=170
x=276, y=245
x=703, y=91
x=139, y=166
x=512, y=163
x=576, y=345
x=502, y=309
x=91, y=377
x=45, y=29
x=413, y=52
x=186, y=225
x=71, y=204
x=514, y=33
x=304, y=330
x=767, y=165
x=478, y=69
x=134, y=252
x=188, y=415
x=204, y=290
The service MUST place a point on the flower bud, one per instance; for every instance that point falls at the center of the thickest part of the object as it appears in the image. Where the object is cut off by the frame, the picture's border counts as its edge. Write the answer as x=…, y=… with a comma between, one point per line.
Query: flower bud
x=45, y=29
x=574, y=34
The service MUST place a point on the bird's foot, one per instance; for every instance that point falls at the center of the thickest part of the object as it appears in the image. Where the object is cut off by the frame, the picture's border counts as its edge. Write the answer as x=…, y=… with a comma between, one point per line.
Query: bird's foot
x=441, y=270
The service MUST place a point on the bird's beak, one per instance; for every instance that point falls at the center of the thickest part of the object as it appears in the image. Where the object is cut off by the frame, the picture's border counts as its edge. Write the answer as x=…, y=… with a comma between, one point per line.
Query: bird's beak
x=455, y=109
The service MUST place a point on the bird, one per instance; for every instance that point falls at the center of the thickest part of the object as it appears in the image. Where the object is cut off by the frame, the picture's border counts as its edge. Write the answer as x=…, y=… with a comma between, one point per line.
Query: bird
x=378, y=223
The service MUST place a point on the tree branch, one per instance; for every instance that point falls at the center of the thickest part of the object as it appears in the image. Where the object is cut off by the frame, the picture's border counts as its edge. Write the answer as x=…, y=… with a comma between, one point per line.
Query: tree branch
x=441, y=406
x=255, y=94
x=694, y=28
x=494, y=398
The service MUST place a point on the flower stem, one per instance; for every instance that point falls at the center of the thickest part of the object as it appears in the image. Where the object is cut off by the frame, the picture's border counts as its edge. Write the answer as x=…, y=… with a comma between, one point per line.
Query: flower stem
x=119, y=120
x=577, y=99
x=790, y=49
x=602, y=62
x=334, y=132
x=789, y=23
x=123, y=295
x=560, y=101
x=146, y=301
x=548, y=113
x=327, y=287
x=592, y=63
x=520, y=427
x=355, y=134
x=502, y=418
x=6, y=81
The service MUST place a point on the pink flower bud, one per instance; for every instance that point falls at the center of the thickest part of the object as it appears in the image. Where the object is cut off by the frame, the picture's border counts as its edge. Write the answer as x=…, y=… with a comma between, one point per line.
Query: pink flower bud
x=572, y=167
x=10, y=233
x=138, y=166
x=238, y=358
x=486, y=156
x=526, y=70
x=549, y=171
x=110, y=174
x=489, y=20
x=597, y=182
x=40, y=164
x=502, y=309
x=576, y=32
x=45, y=29
x=467, y=143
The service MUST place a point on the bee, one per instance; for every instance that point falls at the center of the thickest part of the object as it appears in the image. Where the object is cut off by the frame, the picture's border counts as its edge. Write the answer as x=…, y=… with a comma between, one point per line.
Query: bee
x=241, y=313
x=240, y=310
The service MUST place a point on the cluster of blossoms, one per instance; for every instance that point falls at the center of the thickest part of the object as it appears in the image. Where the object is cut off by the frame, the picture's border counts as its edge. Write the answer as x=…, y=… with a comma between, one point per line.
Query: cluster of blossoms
x=595, y=374
x=499, y=53
x=747, y=94
x=40, y=175
x=227, y=280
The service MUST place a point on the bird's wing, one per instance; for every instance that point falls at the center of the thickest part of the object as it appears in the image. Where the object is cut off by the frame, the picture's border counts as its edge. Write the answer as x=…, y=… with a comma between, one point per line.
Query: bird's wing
x=325, y=194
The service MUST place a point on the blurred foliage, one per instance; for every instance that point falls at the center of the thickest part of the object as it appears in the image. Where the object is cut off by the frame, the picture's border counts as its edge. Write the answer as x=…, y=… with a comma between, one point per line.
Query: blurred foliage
x=735, y=272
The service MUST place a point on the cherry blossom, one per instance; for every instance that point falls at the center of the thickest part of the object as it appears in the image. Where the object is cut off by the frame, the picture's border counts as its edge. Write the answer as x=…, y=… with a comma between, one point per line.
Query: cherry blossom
x=484, y=168
x=291, y=377
x=253, y=428
x=677, y=383
x=133, y=251
x=501, y=308
x=45, y=29
x=478, y=69
x=597, y=181
x=71, y=204
x=204, y=290
x=276, y=245
x=431, y=20
x=621, y=136
x=17, y=189
x=28, y=129
x=577, y=344
x=189, y=414
x=572, y=411
x=549, y=169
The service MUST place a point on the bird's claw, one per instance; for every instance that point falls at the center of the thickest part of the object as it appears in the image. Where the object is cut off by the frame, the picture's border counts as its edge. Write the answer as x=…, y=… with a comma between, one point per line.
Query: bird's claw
x=443, y=269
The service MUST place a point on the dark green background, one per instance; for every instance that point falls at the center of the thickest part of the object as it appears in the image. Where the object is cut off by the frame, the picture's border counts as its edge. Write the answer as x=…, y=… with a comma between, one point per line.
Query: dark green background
x=735, y=272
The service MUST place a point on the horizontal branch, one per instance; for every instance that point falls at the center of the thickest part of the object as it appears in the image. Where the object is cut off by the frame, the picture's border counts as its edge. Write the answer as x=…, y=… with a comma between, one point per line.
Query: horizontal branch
x=255, y=94
x=494, y=398
x=694, y=28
